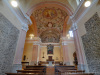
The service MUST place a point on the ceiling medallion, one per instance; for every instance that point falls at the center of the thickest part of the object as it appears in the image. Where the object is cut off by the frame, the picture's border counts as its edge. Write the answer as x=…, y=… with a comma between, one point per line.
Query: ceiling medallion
x=49, y=13
x=50, y=25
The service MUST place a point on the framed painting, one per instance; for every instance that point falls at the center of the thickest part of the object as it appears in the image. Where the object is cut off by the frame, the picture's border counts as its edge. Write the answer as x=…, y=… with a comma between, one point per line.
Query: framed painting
x=50, y=49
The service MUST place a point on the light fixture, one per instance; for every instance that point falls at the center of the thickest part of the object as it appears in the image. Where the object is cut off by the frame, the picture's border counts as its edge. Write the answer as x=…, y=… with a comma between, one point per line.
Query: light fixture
x=87, y=3
x=31, y=36
x=14, y=3
x=68, y=36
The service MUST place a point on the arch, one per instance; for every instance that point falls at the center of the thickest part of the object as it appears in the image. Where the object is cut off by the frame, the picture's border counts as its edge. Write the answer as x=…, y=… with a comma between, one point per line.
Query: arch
x=66, y=8
x=48, y=29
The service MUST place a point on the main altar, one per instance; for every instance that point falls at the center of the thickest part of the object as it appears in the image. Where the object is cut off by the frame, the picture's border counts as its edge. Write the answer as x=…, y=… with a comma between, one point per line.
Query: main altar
x=50, y=61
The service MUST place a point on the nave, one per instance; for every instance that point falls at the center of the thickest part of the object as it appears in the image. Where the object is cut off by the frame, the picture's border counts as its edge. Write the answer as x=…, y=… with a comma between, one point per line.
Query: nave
x=35, y=31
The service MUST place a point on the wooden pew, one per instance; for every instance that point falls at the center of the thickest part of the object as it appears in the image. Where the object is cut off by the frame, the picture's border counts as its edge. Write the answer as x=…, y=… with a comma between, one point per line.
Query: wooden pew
x=23, y=74
x=72, y=71
x=30, y=71
x=63, y=67
x=31, y=67
x=41, y=68
x=80, y=74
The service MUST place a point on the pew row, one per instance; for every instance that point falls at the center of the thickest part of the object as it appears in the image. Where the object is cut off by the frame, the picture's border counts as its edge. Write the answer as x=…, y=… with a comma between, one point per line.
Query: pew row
x=24, y=74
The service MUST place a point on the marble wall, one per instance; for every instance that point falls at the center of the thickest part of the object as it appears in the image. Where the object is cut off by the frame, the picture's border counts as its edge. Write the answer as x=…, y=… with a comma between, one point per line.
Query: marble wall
x=8, y=42
x=91, y=43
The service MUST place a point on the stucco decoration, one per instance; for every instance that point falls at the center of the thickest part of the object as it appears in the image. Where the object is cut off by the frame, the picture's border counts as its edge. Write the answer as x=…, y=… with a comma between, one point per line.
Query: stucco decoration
x=45, y=16
x=49, y=18
x=49, y=13
x=50, y=36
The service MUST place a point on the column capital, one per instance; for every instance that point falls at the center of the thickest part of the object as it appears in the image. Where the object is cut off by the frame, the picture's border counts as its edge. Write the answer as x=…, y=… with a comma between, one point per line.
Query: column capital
x=25, y=27
x=63, y=39
x=64, y=43
x=36, y=41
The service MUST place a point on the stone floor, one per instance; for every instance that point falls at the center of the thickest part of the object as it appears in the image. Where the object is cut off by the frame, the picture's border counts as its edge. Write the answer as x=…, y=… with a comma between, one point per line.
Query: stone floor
x=50, y=70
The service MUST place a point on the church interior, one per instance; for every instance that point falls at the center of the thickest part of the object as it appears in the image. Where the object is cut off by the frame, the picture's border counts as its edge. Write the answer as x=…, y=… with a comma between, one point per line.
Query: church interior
x=49, y=37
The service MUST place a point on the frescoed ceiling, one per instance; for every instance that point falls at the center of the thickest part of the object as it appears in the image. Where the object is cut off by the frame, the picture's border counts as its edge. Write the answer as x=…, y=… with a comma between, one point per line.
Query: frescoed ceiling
x=49, y=19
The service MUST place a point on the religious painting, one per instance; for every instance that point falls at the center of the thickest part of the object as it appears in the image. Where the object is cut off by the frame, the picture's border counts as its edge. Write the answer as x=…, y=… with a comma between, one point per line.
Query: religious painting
x=50, y=49
x=49, y=13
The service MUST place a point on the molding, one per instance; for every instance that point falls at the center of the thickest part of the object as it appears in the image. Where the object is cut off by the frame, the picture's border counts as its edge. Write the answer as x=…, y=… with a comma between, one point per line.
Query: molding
x=74, y=26
x=78, y=9
x=67, y=42
x=33, y=39
x=26, y=16
x=64, y=43
x=19, y=14
x=25, y=27
x=93, y=2
x=36, y=43
x=81, y=11
x=55, y=44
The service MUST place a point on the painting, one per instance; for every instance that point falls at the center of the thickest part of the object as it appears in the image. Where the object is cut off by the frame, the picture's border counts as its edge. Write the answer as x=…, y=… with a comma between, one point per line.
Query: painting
x=49, y=13
x=50, y=49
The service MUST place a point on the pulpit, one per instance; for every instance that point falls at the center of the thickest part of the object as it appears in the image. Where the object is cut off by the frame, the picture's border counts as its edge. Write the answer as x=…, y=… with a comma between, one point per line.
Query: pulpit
x=50, y=60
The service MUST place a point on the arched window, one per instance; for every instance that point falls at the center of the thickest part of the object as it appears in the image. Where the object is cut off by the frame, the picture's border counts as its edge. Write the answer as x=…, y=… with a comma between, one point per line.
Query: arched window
x=71, y=33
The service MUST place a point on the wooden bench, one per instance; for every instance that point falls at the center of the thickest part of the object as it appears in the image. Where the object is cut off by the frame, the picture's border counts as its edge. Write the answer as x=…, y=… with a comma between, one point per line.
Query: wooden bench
x=80, y=74
x=30, y=71
x=72, y=71
x=41, y=68
x=63, y=67
x=24, y=74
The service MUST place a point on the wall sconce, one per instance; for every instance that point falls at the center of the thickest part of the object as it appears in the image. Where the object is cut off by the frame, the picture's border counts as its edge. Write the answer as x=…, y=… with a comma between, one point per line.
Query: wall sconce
x=31, y=36
x=43, y=55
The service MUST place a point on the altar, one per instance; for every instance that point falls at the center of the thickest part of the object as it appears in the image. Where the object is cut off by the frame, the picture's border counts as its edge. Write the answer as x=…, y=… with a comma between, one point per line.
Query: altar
x=50, y=61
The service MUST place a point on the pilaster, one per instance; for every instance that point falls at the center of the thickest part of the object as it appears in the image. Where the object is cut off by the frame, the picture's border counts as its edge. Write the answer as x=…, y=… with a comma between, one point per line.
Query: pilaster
x=36, y=50
x=64, y=46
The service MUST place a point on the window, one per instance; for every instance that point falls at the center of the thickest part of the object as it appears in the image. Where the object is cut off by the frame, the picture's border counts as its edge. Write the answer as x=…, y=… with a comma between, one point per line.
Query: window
x=71, y=33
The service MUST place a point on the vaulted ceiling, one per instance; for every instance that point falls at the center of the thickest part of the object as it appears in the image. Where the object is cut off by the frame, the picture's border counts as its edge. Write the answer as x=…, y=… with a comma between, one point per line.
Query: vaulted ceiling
x=49, y=17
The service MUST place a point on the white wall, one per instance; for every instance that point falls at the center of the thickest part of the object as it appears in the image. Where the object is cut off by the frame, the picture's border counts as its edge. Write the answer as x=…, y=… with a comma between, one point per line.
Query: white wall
x=81, y=27
x=5, y=10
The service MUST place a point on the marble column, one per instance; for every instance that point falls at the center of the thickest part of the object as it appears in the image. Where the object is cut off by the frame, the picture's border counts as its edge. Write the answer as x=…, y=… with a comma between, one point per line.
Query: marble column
x=36, y=50
x=78, y=48
x=20, y=47
x=65, y=51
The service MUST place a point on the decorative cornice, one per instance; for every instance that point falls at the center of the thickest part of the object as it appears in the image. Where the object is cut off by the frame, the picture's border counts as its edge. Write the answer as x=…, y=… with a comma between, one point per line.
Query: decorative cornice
x=26, y=16
x=36, y=43
x=64, y=43
x=25, y=27
x=74, y=26
x=81, y=11
x=55, y=44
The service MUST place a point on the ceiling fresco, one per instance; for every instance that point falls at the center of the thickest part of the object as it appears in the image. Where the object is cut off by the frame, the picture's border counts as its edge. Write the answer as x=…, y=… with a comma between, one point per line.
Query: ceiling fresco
x=49, y=18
